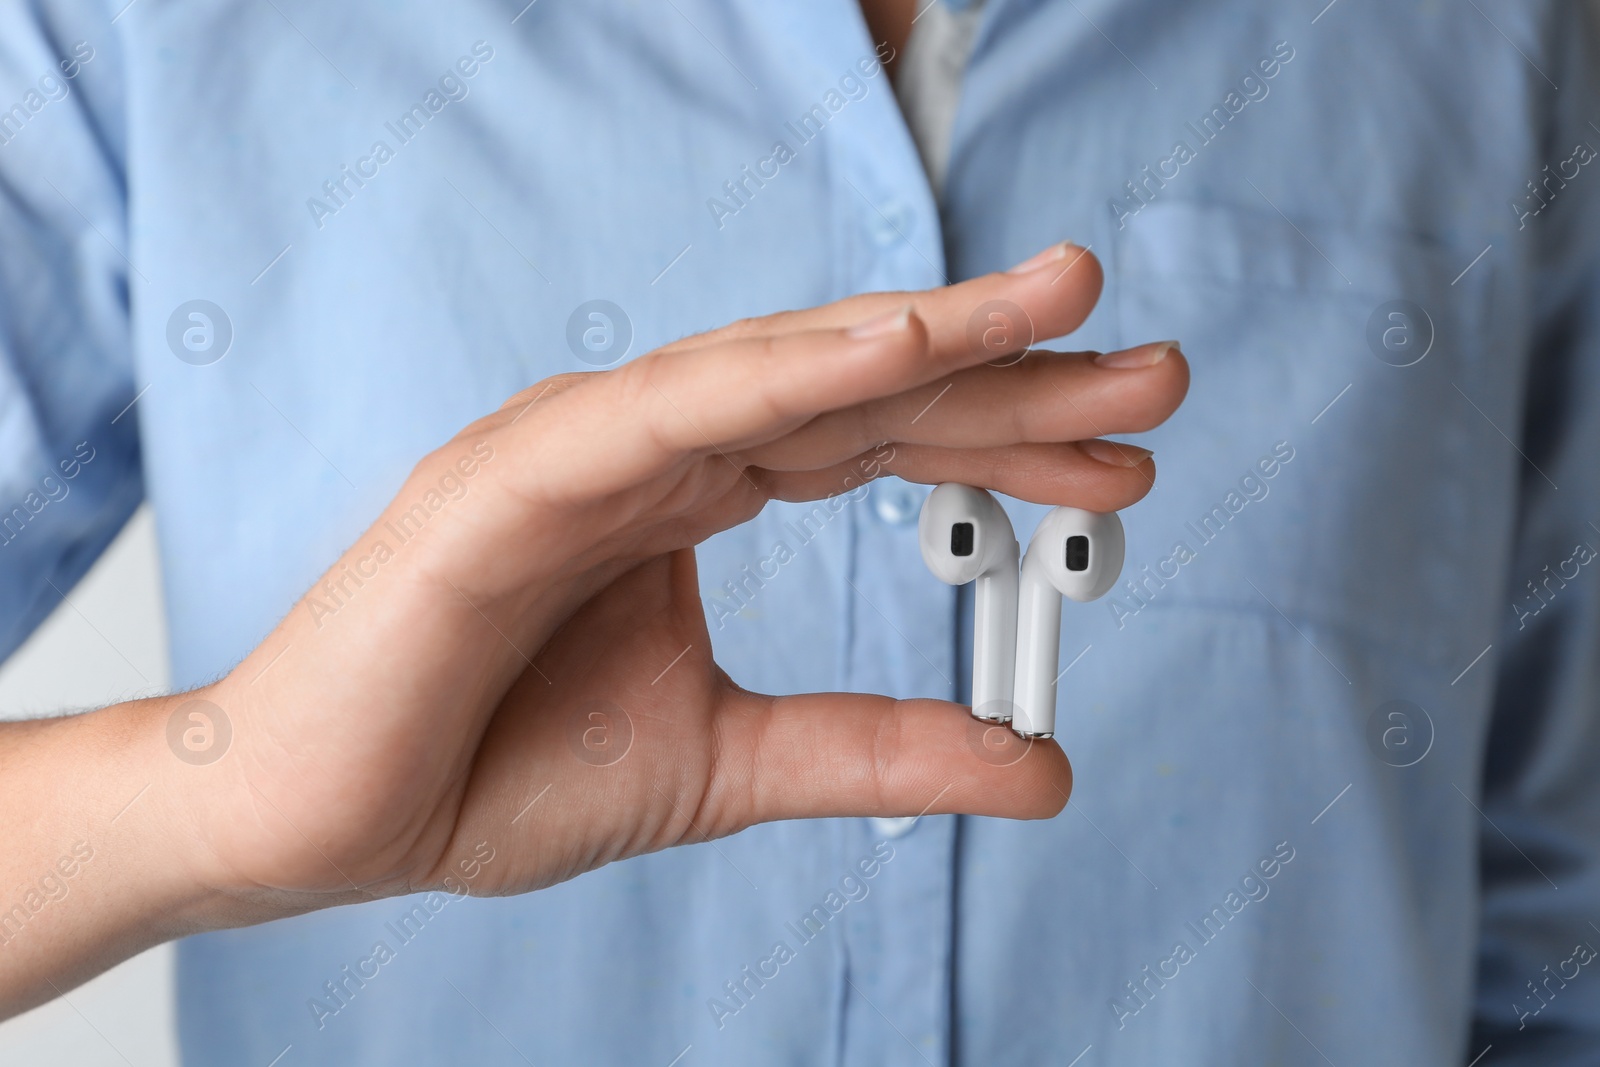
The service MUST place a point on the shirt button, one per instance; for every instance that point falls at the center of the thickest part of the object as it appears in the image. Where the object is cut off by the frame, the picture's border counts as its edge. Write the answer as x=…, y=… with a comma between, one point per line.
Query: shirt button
x=893, y=828
x=891, y=223
x=895, y=502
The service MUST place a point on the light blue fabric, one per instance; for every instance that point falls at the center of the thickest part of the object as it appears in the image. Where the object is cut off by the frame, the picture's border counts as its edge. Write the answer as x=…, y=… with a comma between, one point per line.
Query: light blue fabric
x=1353, y=532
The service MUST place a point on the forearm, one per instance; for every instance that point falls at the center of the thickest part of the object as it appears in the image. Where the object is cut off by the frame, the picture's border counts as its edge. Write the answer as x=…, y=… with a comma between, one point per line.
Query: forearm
x=140, y=823
x=93, y=868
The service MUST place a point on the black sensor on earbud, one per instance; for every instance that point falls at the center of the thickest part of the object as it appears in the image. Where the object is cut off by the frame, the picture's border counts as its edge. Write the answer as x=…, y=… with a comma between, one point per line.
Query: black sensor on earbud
x=961, y=539
x=1077, y=553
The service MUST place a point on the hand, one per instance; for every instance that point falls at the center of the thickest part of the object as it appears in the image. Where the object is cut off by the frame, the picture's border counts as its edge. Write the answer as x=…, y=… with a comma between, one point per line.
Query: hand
x=423, y=716
x=417, y=712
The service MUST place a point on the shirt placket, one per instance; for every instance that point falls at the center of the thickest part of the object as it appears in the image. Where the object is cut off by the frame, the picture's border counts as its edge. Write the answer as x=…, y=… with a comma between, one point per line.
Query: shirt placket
x=897, y=943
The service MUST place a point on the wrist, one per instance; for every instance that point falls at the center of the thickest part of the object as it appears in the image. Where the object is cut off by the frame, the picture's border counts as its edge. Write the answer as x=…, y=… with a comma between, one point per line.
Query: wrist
x=208, y=814
x=97, y=867
x=159, y=794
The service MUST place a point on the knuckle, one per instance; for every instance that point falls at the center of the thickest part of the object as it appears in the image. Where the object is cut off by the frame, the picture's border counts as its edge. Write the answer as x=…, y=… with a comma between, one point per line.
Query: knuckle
x=773, y=409
x=883, y=751
x=548, y=387
x=738, y=330
x=1036, y=408
x=733, y=796
x=756, y=324
x=865, y=424
x=640, y=395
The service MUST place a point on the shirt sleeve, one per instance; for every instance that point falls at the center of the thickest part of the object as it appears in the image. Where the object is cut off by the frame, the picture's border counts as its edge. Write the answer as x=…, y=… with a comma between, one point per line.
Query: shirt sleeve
x=69, y=452
x=1538, y=988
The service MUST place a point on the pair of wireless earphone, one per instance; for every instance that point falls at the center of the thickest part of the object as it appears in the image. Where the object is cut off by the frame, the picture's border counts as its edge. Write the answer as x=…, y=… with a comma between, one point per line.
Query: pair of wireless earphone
x=1016, y=633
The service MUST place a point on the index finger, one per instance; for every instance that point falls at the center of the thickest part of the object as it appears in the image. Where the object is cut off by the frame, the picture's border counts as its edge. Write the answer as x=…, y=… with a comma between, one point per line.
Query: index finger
x=1043, y=297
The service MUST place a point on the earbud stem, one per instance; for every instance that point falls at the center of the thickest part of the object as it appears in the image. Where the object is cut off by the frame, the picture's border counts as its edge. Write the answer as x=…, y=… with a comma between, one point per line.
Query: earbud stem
x=1038, y=655
x=994, y=620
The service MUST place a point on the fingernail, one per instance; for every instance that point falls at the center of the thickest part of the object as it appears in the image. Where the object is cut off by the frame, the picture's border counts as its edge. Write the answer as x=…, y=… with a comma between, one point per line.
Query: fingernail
x=1113, y=454
x=888, y=322
x=1133, y=358
x=1053, y=254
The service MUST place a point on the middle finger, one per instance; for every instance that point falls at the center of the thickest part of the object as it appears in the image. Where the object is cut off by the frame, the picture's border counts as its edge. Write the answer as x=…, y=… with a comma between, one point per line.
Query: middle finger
x=1047, y=397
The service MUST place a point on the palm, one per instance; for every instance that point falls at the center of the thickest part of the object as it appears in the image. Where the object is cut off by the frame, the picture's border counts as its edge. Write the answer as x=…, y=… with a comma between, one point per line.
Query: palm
x=606, y=746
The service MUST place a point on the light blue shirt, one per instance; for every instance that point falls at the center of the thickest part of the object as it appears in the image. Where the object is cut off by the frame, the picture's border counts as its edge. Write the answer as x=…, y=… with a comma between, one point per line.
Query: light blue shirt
x=397, y=213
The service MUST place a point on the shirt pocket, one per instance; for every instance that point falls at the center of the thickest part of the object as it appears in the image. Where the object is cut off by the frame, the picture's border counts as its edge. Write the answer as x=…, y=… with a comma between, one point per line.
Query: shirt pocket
x=1360, y=354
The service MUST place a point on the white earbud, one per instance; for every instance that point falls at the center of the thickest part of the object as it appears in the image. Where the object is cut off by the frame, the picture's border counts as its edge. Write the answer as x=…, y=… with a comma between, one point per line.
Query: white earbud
x=966, y=537
x=1074, y=553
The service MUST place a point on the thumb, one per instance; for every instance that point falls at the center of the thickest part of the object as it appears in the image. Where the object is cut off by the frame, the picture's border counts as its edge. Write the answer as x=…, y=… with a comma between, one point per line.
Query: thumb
x=845, y=754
